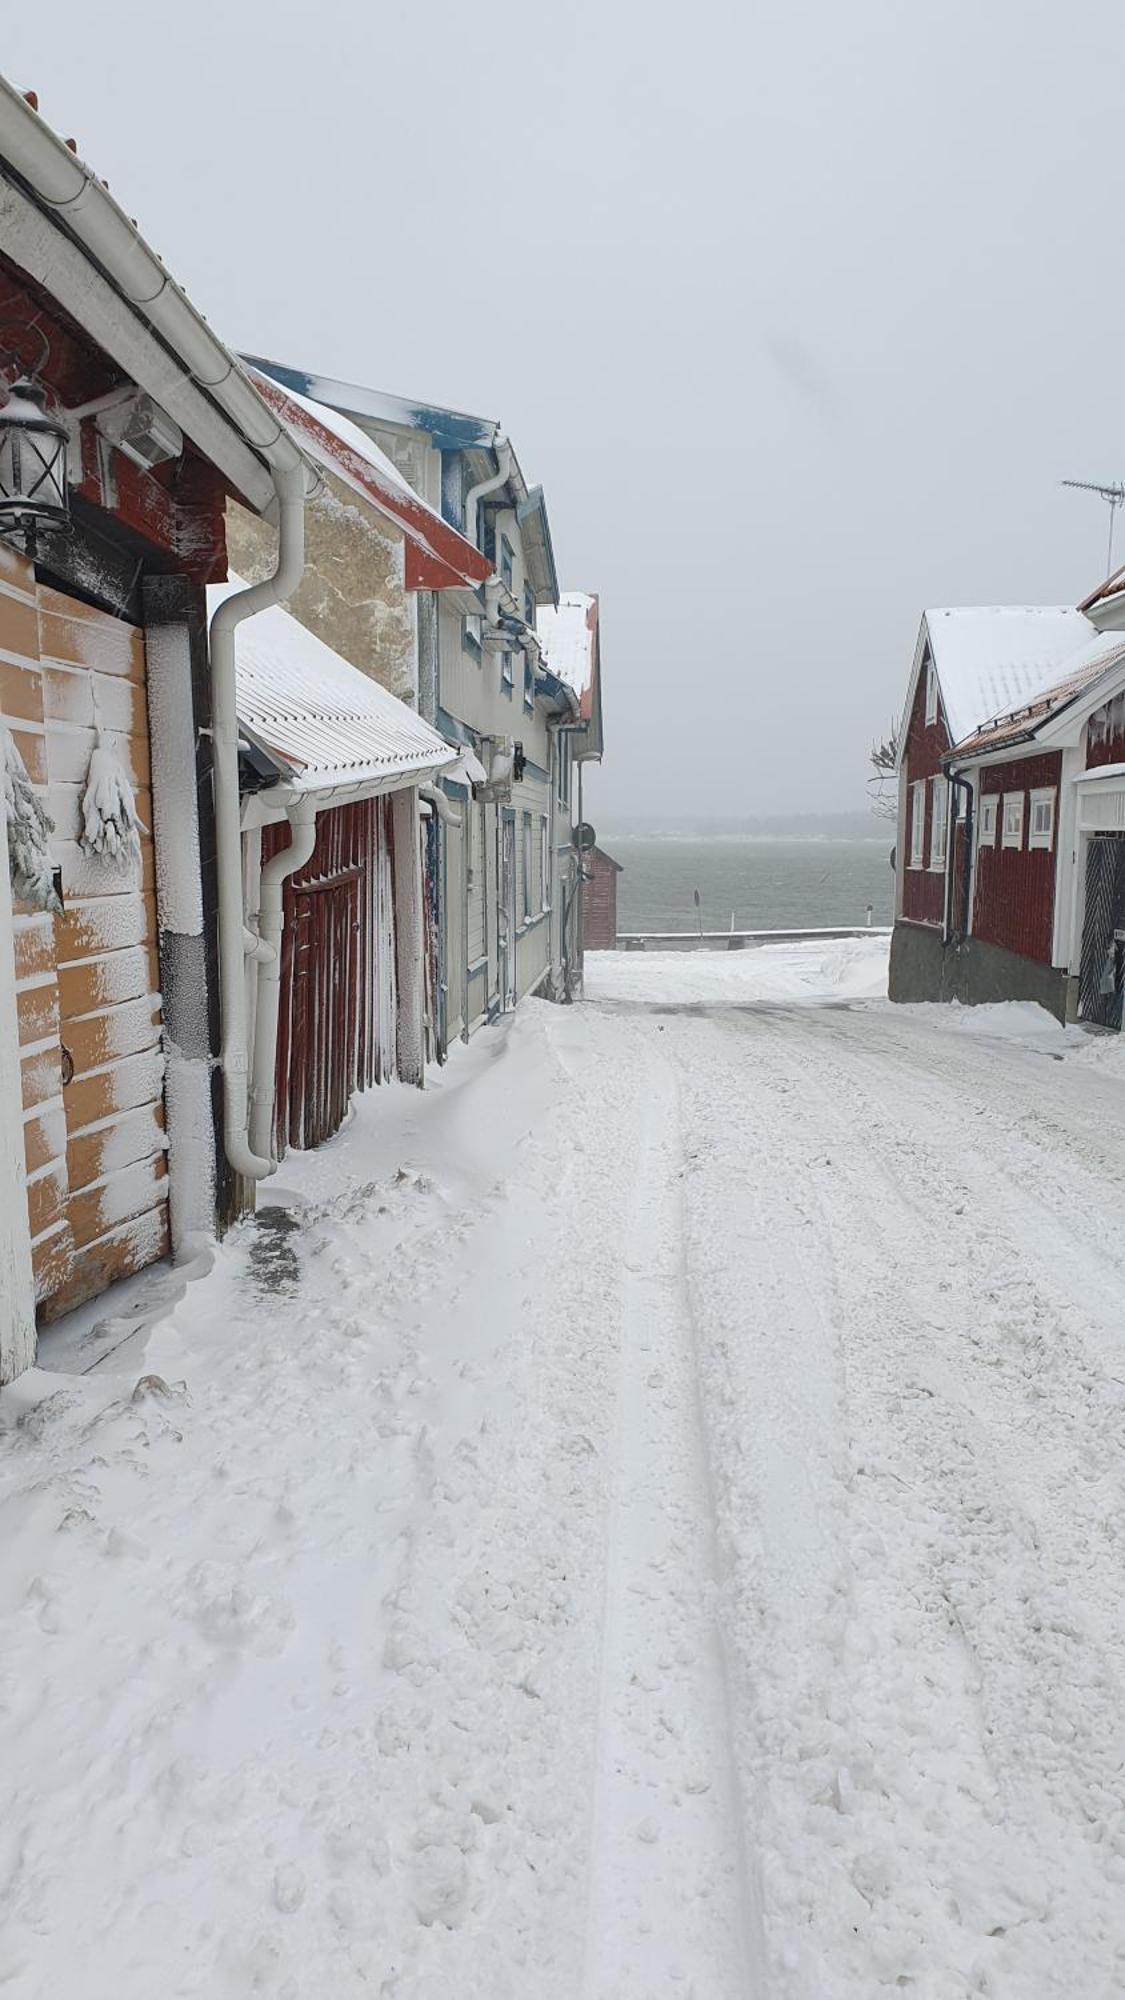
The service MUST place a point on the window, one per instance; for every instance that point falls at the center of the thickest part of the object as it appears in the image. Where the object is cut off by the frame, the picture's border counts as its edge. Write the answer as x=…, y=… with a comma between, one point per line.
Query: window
x=1041, y=823
x=1012, y=835
x=528, y=683
x=563, y=755
x=529, y=606
x=507, y=681
x=526, y=866
x=544, y=865
x=507, y=565
x=486, y=531
x=986, y=825
x=939, y=821
x=931, y=694
x=470, y=637
x=917, y=822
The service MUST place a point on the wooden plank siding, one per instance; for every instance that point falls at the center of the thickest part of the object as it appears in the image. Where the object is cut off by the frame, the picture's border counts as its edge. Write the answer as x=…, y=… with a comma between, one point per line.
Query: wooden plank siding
x=1014, y=897
x=87, y=982
x=336, y=1030
x=923, y=888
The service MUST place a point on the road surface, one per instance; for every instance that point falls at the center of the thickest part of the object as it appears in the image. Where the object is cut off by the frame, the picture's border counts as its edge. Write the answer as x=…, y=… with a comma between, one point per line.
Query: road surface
x=656, y=1526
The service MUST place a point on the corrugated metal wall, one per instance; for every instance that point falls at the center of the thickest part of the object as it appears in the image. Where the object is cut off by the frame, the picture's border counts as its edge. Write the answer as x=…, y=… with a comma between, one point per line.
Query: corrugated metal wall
x=336, y=1032
x=1014, y=898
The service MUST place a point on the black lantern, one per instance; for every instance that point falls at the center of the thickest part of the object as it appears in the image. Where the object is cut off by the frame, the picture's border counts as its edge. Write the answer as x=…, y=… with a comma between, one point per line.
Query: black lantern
x=34, y=497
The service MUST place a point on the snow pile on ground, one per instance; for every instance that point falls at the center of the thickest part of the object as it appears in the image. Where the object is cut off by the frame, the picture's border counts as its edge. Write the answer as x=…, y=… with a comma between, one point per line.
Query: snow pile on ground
x=299, y=1599
x=640, y=1517
x=781, y=974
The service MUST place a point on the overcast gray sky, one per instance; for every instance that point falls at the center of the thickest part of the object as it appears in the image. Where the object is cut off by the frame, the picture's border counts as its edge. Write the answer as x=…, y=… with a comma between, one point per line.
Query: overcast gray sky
x=799, y=312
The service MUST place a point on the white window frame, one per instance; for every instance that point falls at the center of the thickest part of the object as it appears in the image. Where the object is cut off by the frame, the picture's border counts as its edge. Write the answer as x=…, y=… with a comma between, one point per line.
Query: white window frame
x=918, y=823
x=931, y=695
x=1044, y=796
x=1012, y=836
x=939, y=822
x=986, y=834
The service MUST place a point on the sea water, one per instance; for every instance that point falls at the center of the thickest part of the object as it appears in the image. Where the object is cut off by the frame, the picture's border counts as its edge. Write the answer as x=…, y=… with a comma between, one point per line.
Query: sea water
x=766, y=883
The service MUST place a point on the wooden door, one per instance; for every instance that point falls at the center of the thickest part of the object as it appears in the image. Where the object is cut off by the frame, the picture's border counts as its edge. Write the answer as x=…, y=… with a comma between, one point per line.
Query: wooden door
x=87, y=982
x=336, y=1025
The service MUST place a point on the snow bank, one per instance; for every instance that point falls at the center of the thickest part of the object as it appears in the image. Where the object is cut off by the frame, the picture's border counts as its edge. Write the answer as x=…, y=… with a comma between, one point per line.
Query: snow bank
x=842, y=968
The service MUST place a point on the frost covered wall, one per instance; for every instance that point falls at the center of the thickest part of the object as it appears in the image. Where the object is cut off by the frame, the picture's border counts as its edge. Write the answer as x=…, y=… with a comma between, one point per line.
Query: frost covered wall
x=87, y=981
x=353, y=592
x=1105, y=734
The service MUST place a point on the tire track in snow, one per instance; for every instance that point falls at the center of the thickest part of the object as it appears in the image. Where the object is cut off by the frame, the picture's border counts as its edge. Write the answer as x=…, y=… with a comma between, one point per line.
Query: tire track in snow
x=670, y=1910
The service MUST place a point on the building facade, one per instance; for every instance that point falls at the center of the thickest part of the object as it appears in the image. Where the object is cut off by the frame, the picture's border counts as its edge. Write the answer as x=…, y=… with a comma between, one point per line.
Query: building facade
x=503, y=869
x=1010, y=803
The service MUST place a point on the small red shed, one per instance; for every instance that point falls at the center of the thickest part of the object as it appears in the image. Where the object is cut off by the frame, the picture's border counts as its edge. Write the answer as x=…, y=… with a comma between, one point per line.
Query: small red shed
x=599, y=901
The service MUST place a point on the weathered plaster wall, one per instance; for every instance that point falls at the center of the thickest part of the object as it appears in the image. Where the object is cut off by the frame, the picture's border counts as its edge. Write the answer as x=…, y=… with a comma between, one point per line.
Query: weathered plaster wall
x=353, y=593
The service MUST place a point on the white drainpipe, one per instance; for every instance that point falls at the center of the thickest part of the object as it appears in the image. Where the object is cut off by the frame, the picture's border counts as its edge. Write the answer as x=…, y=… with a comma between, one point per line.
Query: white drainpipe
x=446, y=811
x=499, y=478
x=271, y=919
x=254, y=1162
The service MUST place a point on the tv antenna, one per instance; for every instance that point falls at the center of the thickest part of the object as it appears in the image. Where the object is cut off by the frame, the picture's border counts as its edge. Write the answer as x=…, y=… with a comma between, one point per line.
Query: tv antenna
x=1114, y=496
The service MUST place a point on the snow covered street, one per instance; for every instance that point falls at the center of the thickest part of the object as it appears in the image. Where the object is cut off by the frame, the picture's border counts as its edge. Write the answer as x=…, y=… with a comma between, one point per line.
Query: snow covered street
x=641, y=1517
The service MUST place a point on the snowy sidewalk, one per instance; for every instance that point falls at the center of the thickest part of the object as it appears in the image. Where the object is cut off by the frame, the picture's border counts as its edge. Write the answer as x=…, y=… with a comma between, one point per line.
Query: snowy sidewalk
x=652, y=1527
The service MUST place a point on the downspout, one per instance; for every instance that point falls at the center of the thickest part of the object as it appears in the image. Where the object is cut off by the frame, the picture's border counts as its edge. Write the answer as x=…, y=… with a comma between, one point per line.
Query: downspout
x=499, y=478
x=446, y=811
x=949, y=935
x=271, y=919
x=236, y=943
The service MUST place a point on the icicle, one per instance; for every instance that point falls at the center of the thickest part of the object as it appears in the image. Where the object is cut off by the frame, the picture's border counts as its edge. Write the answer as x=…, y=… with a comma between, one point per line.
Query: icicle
x=109, y=810
x=29, y=832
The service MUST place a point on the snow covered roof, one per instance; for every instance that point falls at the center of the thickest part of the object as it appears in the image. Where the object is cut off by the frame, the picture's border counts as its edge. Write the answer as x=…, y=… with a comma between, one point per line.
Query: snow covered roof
x=1083, y=673
x=568, y=637
x=317, y=718
x=993, y=659
x=439, y=557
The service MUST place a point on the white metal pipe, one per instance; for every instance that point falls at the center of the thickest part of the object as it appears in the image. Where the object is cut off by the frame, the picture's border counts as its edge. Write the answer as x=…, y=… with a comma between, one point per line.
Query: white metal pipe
x=446, y=811
x=483, y=486
x=271, y=920
x=254, y=1163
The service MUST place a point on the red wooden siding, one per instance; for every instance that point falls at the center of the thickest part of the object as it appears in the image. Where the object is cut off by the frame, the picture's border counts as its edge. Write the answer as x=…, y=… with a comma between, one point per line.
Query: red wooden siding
x=1014, y=899
x=599, y=902
x=1105, y=734
x=336, y=1031
x=923, y=890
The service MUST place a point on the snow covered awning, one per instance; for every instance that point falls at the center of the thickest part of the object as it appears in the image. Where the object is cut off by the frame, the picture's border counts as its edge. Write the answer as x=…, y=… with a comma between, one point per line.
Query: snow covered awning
x=321, y=724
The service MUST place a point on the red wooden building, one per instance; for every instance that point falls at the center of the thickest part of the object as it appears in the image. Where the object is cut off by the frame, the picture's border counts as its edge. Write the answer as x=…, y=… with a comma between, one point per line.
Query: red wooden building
x=599, y=901
x=1011, y=774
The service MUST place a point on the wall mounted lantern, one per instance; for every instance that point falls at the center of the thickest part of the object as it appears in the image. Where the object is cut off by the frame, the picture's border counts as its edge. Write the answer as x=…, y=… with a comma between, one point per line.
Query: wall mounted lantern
x=34, y=496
